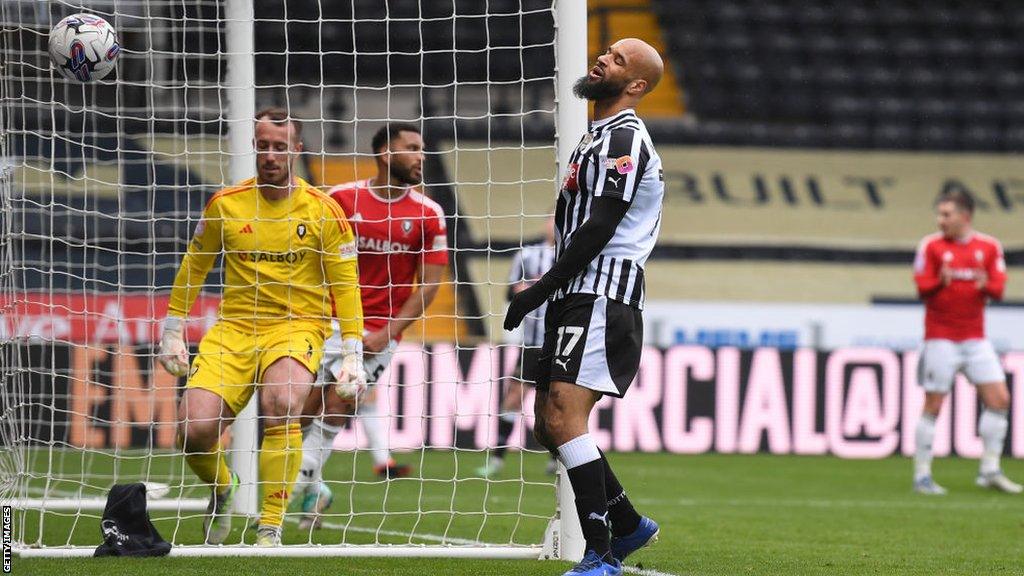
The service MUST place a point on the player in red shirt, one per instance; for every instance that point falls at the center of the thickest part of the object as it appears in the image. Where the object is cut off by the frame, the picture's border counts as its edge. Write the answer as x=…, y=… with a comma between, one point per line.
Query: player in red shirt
x=957, y=271
x=401, y=242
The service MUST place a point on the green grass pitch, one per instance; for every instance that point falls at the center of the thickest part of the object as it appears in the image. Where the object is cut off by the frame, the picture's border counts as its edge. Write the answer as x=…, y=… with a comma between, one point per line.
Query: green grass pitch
x=720, y=515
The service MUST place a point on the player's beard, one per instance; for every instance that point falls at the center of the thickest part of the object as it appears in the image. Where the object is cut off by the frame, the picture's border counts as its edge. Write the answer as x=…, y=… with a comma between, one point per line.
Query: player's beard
x=602, y=89
x=279, y=179
x=404, y=175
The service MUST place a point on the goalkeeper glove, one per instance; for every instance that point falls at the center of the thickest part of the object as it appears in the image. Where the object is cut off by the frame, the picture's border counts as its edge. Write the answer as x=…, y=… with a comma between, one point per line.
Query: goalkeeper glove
x=173, y=352
x=350, y=375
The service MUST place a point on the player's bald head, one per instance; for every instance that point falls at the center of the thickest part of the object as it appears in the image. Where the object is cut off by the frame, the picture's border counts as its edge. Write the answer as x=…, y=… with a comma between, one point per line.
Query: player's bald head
x=626, y=72
x=642, y=61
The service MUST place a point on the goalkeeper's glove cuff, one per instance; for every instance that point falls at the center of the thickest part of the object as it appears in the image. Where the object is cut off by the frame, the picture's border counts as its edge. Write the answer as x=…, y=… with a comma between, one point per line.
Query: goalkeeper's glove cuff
x=351, y=346
x=174, y=323
x=173, y=351
x=351, y=375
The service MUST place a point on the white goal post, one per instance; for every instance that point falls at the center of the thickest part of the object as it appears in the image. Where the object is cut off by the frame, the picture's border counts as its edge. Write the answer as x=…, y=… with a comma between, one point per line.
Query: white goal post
x=101, y=185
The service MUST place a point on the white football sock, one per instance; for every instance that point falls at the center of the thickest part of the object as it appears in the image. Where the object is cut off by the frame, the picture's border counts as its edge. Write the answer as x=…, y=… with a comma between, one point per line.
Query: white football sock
x=578, y=451
x=924, y=437
x=375, y=428
x=317, y=440
x=992, y=429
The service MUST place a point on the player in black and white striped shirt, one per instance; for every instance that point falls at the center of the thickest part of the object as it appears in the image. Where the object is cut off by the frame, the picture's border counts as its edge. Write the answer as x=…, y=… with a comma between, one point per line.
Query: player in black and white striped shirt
x=614, y=169
x=607, y=220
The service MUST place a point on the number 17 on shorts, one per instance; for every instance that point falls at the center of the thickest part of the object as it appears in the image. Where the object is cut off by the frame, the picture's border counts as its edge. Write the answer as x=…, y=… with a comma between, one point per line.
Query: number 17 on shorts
x=592, y=342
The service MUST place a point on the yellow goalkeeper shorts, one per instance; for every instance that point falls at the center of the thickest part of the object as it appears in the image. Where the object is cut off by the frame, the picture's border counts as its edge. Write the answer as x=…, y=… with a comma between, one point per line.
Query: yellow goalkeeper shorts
x=230, y=362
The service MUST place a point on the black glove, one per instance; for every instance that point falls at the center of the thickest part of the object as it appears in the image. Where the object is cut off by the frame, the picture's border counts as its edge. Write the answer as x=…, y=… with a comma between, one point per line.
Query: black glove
x=527, y=301
x=587, y=243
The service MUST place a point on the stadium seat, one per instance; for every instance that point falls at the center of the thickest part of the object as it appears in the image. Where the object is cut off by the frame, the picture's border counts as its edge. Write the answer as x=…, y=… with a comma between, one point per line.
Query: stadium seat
x=871, y=68
x=396, y=46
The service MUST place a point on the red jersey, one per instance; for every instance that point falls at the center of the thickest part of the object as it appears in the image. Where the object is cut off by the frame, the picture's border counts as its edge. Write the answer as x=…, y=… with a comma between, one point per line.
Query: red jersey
x=957, y=311
x=393, y=239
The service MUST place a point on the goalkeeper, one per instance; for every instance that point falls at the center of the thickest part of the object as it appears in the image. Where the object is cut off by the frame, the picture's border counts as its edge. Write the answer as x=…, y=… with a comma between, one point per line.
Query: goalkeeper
x=289, y=266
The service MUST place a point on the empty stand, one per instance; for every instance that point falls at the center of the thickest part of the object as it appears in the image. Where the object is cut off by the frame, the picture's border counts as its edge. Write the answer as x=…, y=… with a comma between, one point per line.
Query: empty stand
x=406, y=42
x=942, y=75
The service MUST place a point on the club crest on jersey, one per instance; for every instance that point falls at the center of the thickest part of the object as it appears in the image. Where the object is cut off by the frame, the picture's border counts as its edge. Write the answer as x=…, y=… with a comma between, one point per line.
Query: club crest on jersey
x=301, y=231
x=979, y=256
x=587, y=139
x=348, y=251
x=624, y=164
x=406, y=227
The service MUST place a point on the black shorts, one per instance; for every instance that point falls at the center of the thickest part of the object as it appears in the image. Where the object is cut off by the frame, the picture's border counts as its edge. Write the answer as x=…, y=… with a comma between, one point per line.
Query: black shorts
x=591, y=341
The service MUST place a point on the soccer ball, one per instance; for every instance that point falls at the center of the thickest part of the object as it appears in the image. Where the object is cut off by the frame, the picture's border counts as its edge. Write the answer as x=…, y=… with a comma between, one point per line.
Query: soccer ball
x=84, y=47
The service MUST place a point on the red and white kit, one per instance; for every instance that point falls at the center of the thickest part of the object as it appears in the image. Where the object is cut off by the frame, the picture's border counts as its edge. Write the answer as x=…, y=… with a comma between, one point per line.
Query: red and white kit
x=955, y=314
x=394, y=238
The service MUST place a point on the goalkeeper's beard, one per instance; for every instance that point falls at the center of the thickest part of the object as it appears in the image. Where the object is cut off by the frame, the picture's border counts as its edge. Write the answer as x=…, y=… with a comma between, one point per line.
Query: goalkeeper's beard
x=279, y=179
x=602, y=89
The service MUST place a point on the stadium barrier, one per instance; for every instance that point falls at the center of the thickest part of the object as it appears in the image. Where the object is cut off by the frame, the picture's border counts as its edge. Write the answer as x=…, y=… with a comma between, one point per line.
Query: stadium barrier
x=95, y=384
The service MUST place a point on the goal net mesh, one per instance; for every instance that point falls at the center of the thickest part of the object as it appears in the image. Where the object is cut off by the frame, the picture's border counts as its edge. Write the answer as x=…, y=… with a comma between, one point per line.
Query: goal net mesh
x=103, y=184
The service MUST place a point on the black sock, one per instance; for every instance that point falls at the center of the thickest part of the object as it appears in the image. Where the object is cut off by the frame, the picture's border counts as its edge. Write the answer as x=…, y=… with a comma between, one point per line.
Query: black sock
x=591, y=504
x=504, y=431
x=624, y=519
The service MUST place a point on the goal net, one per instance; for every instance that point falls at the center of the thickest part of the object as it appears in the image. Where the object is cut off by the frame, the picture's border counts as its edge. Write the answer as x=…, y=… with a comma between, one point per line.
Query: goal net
x=102, y=186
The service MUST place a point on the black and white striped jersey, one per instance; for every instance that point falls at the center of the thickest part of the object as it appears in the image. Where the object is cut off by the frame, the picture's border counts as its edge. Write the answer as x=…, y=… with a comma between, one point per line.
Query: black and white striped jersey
x=530, y=263
x=615, y=159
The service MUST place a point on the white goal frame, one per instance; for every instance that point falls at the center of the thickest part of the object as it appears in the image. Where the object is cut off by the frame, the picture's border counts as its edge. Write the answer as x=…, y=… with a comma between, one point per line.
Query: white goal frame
x=563, y=539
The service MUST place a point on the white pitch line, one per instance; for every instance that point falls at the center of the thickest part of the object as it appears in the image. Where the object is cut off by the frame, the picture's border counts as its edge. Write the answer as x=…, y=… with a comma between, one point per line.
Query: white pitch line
x=463, y=541
x=52, y=492
x=932, y=503
x=644, y=571
x=399, y=534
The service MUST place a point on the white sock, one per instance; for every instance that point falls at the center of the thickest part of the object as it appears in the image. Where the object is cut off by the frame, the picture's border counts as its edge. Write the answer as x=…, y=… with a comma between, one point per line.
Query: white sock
x=578, y=451
x=317, y=439
x=374, y=426
x=924, y=437
x=992, y=429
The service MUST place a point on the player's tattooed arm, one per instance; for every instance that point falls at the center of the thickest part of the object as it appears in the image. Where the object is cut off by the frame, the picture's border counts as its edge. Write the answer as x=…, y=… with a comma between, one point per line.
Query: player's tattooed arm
x=431, y=276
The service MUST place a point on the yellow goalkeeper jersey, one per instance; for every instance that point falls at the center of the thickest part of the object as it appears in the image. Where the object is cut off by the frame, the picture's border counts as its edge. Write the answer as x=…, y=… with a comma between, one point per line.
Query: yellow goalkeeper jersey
x=284, y=260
